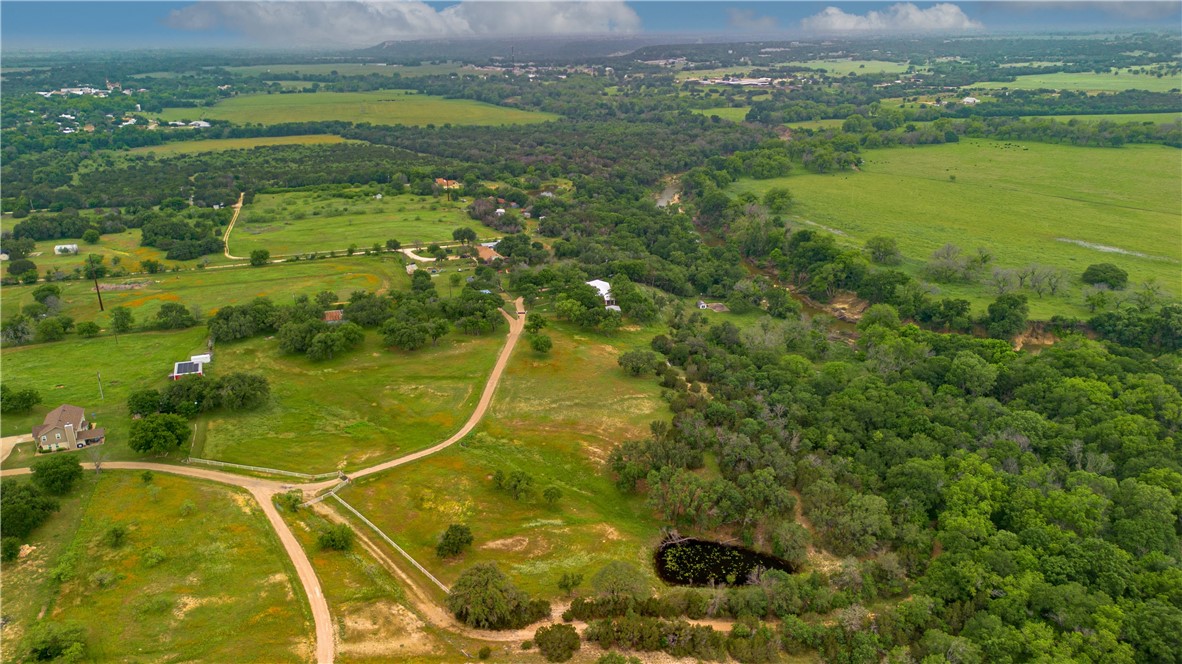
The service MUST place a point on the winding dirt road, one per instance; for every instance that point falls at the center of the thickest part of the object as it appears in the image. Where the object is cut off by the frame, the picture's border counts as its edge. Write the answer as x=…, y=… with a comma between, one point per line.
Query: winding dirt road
x=265, y=490
x=226, y=237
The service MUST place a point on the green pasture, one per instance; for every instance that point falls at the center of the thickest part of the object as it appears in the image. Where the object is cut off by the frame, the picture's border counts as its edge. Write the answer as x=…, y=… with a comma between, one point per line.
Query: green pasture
x=1027, y=203
x=348, y=69
x=816, y=124
x=1089, y=81
x=68, y=372
x=1157, y=118
x=223, y=591
x=555, y=417
x=838, y=67
x=124, y=247
x=214, y=287
x=219, y=144
x=380, y=107
x=360, y=408
x=736, y=114
x=300, y=222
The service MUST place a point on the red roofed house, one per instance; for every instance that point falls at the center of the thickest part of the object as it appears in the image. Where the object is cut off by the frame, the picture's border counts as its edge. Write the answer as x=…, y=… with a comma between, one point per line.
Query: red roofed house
x=487, y=254
x=334, y=316
x=447, y=184
x=66, y=427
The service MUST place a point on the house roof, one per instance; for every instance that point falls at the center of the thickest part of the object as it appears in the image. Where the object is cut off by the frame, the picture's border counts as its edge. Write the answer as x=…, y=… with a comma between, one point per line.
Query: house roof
x=487, y=253
x=604, y=288
x=334, y=315
x=60, y=417
x=92, y=434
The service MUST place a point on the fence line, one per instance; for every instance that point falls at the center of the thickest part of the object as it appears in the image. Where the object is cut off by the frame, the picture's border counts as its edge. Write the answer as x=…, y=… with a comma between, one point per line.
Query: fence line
x=330, y=492
x=391, y=543
x=259, y=469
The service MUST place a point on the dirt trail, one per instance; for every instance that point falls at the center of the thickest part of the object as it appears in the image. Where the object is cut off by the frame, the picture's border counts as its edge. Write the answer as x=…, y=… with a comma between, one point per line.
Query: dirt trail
x=264, y=491
x=9, y=443
x=226, y=238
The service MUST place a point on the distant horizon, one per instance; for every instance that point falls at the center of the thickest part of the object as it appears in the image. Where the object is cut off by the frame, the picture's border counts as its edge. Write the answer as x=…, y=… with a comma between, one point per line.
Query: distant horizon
x=205, y=25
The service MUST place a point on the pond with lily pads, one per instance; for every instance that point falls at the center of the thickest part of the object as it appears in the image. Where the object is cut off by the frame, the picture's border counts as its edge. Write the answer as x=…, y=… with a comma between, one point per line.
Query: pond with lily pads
x=694, y=562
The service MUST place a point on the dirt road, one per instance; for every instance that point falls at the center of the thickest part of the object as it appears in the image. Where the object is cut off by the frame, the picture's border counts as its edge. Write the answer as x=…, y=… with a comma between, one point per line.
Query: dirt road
x=9, y=443
x=226, y=238
x=264, y=490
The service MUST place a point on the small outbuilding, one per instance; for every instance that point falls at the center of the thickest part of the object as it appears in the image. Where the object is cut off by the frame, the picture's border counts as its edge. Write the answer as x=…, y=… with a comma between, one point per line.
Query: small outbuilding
x=187, y=368
x=65, y=249
x=334, y=316
x=605, y=291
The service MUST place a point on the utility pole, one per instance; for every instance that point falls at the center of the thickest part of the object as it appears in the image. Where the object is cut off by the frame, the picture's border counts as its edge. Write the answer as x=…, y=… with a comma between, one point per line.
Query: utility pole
x=99, y=374
x=99, y=293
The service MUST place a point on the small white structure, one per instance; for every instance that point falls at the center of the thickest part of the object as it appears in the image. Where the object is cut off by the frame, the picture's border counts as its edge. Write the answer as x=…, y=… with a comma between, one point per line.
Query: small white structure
x=199, y=124
x=65, y=249
x=702, y=305
x=605, y=291
x=411, y=267
x=500, y=212
x=377, y=197
x=206, y=358
x=969, y=101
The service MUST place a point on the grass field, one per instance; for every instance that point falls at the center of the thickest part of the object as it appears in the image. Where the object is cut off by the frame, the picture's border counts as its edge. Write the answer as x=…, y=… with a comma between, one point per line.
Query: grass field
x=381, y=107
x=65, y=372
x=1159, y=118
x=366, y=406
x=349, y=69
x=301, y=222
x=1026, y=203
x=847, y=67
x=224, y=590
x=555, y=417
x=1089, y=81
x=218, y=144
x=816, y=124
x=125, y=246
x=737, y=114
x=212, y=288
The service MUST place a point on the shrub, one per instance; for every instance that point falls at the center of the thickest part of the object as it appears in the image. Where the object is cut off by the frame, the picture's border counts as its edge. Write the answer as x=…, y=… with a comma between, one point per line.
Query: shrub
x=88, y=329
x=18, y=401
x=337, y=537
x=115, y=536
x=259, y=257
x=453, y=541
x=1106, y=273
x=188, y=508
x=484, y=653
x=52, y=641
x=91, y=236
x=10, y=548
x=104, y=578
x=527, y=644
x=557, y=643
x=153, y=557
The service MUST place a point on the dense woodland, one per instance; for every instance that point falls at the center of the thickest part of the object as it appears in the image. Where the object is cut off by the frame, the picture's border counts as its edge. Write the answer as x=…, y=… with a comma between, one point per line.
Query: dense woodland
x=981, y=504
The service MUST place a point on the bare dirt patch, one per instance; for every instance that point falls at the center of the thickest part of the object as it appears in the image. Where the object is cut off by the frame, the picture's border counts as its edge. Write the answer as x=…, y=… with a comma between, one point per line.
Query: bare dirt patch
x=384, y=629
x=510, y=544
x=131, y=285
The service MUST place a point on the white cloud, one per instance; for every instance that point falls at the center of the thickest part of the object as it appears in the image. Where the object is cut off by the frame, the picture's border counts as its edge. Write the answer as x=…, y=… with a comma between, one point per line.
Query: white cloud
x=746, y=19
x=368, y=22
x=901, y=17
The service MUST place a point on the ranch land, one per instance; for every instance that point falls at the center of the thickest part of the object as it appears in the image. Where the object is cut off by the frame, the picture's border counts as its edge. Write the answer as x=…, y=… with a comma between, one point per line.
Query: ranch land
x=348, y=69
x=554, y=417
x=1065, y=207
x=381, y=107
x=1088, y=81
x=200, y=575
x=300, y=222
x=219, y=144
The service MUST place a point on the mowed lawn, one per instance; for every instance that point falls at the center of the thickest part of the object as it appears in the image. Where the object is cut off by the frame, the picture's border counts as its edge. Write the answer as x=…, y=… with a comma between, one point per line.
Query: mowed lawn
x=219, y=144
x=1027, y=203
x=222, y=589
x=736, y=114
x=555, y=417
x=1089, y=81
x=355, y=410
x=213, y=288
x=302, y=222
x=380, y=107
x=68, y=372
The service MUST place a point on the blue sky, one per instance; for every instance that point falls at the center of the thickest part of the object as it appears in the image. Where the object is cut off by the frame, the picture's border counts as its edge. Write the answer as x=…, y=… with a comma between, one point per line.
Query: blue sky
x=74, y=24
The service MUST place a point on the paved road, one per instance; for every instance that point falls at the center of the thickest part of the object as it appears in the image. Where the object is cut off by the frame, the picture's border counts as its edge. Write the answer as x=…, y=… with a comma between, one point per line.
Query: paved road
x=264, y=490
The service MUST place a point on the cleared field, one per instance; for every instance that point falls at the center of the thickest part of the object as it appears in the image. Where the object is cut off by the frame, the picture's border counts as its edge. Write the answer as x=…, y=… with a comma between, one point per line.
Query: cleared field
x=1159, y=118
x=1089, y=81
x=124, y=247
x=554, y=417
x=847, y=67
x=349, y=69
x=222, y=591
x=302, y=222
x=816, y=124
x=733, y=114
x=212, y=288
x=363, y=407
x=68, y=372
x=219, y=144
x=1033, y=203
x=383, y=107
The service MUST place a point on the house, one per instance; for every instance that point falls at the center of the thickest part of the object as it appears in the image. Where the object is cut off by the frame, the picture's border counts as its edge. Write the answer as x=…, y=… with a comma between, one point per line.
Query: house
x=65, y=428
x=969, y=101
x=187, y=368
x=65, y=249
x=444, y=183
x=334, y=316
x=605, y=291
x=486, y=253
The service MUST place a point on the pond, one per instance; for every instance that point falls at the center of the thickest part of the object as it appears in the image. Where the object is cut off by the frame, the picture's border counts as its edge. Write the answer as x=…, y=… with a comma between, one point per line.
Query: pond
x=694, y=562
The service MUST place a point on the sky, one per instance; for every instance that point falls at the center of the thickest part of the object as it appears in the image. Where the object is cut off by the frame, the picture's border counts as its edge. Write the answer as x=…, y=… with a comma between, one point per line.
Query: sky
x=286, y=24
